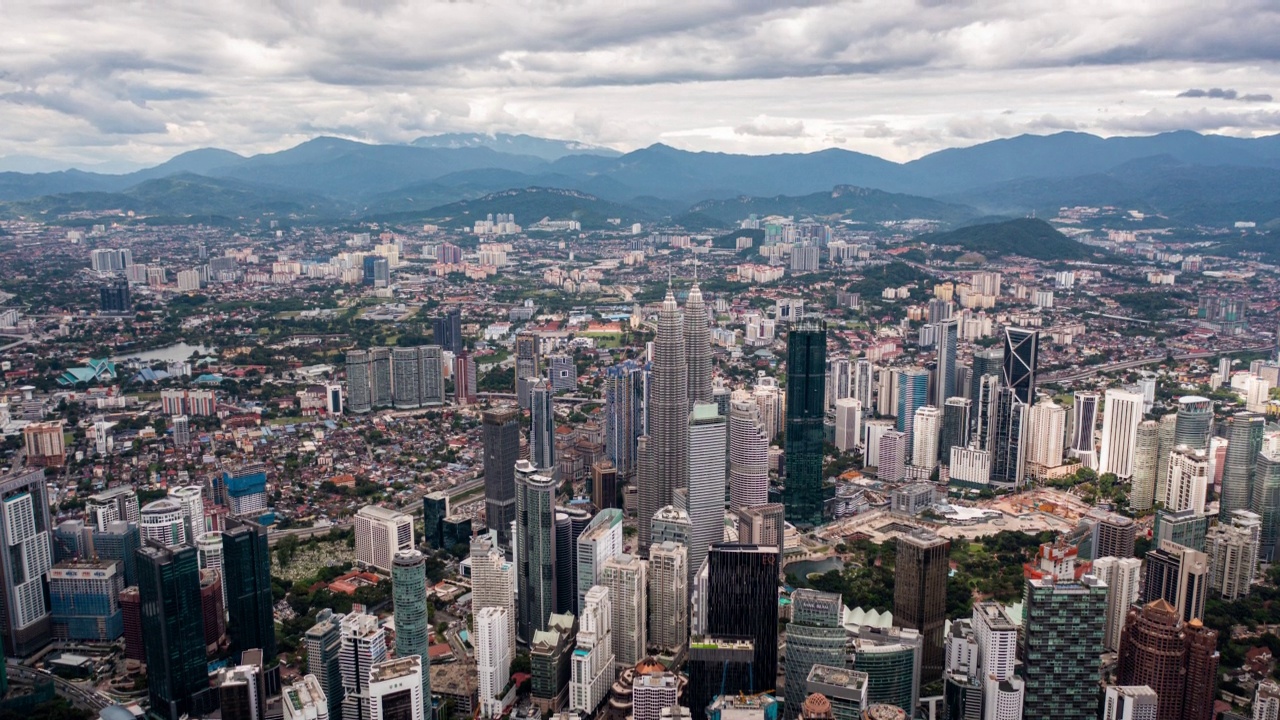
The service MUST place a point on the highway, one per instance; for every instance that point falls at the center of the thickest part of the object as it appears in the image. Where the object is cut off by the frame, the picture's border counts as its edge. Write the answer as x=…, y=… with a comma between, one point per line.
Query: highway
x=1086, y=373
x=568, y=399
x=81, y=697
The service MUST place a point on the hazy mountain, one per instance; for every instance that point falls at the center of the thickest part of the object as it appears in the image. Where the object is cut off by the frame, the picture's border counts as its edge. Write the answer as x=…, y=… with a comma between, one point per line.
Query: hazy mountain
x=530, y=205
x=544, y=148
x=1027, y=237
x=844, y=202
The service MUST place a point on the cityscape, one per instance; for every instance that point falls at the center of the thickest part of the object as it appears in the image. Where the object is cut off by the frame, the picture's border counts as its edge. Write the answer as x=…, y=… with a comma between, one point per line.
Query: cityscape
x=487, y=425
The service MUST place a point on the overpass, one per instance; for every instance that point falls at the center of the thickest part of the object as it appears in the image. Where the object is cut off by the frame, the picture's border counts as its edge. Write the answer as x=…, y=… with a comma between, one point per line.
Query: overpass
x=1086, y=373
x=565, y=399
x=78, y=695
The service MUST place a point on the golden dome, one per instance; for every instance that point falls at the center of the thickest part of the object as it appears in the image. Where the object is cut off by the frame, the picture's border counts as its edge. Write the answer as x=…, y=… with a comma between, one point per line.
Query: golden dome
x=816, y=704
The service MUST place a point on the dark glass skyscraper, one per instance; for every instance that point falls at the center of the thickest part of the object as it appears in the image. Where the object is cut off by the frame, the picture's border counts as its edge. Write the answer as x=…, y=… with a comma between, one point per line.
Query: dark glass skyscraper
x=447, y=330
x=536, y=557
x=806, y=410
x=413, y=632
x=246, y=566
x=1017, y=391
x=1244, y=442
x=1062, y=648
x=500, y=429
x=920, y=595
x=955, y=426
x=946, y=383
x=985, y=362
x=173, y=631
x=742, y=602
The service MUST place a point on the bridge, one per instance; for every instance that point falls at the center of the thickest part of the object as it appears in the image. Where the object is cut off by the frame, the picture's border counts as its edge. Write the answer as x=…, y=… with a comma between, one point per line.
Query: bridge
x=78, y=695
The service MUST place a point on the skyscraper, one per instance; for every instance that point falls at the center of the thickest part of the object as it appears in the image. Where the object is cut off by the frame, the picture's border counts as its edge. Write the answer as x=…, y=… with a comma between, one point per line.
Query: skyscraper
x=891, y=659
x=748, y=455
x=536, y=556
x=920, y=594
x=706, y=484
x=806, y=410
x=1018, y=385
x=1179, y=576
x=1266, y=501
x=26, y=558
x=493, y=659
x=985, y=362
x=409, y=603
x=601, y=540
x=848, y=424
x=1121, y=577
x=1171, y=657
x=591, y=671
x=246, y=560
x=763, y=525
x=926, y=430
x=863, y=383
x=623, y=414
x=406, y=390
x=668, y=595
x=945, y=387
x=664, y=466
x=324, y=650
x=697, y=346
x=996, y=640
x=1129, y=702
x=364, y=645
x=815, y=636
x=550, y=656
x=379, y=534
x=542, y=429
x=396, y=690
x=1167, y=433
x=173, y=633
x=500, y=431
x=955, y=426
x=1121, y=415
x=446, y=330
x=1084, y=420
x=742, y=601
x=627, y=578
x=1195, y=422
x=1188, y=480
x=1047, y=425
x=380, y=377
x=913, y=393
x=493, y=580
x=1232, y=548
x=1145, y=458
x=1244, y=442
x=528, y=368
x=1061, y=647
x=985, y=407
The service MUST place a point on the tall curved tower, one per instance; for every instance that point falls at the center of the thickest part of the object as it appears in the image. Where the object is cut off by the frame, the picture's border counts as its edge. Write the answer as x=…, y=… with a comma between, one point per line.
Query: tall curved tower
x=697, y=346
x=748, y=455
x=664, y=464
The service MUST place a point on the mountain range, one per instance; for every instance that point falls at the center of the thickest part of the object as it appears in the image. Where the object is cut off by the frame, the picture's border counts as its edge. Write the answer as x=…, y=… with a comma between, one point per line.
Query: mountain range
x=1186, y=177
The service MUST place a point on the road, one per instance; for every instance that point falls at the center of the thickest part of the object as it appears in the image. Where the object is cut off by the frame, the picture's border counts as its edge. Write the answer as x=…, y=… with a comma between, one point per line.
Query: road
x=569, y=399
x=77, y=695
x=1086, y=373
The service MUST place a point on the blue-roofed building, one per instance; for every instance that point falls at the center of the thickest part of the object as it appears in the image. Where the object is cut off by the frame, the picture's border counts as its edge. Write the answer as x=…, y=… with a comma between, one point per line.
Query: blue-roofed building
x=96, y=371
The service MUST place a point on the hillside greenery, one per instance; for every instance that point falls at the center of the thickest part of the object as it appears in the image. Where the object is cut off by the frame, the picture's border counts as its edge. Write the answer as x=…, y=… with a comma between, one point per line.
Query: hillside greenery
x=1027, y=237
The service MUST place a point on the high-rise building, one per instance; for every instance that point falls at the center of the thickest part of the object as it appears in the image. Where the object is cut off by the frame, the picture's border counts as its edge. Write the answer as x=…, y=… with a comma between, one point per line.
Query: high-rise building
x=891, y=464
x=114, y=299
x=717, y=666
x=1186, y=528
x=542, y=429
x=446, y=330
x=25, y=561
x=919, y=594
x=627, y=578
x=1048, y=422
x=181, y=431
x=1232, y=548
x=838, y=387
x=1187, y=483
x=431, y=375
x=1129, y=702
x=995, y=638
x=119, y=503
x=1179, y=576
x=664, y=465
x=985, y=407
x=763, y=525
x=246, y=562
x=1266, y=701
x=1121, y=415
x=815, y=636
x=163, y=521
x=668, y=595
x=1194, y=423
x=862, y=386
x=848, y=424
x=464, y=378
x=306, y=700
x=985, y=362
x=84, y=599
x=806, y=411
x=380, y=534
x=324, y=652
x=843, y=691
x=173, y=633
x=536, y=554
x=500, y=432
x=435, y=508
x=697, y=346
x=1167, y=433
x=191, y=499
x=119, y=542
x=364, y=645
x=406, y=387
x=244, y=492
x=599, y=541
x=1113, y=535
x=1145, y=459
x=493, y=579
x=955, y=426
x=623, y=414
x=1084, y=420
x=380, y=377
x=549, y=663
x=653, y=692
x=891, y=659
x=592, y=667
x=240, y=691
x=604, y=484
x=396, y=690
x=741, y=600
x=1266, y=502
x=913, y=393
x=926, y=430
x=528, y=365
x=562, y=372
x=409, y=598
x=1244, y=442
x=1061, y=647
x=749, y=454
x=945, y=387
x=1172, y=658
x=706, y=485
x=1121, y=576
x=131, y=609
x=671, y=523
x=493, y=659
x=1018, y=385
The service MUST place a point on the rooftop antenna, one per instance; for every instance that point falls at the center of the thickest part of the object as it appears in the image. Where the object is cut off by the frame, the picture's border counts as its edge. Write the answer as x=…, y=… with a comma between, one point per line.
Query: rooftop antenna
x=668, y=277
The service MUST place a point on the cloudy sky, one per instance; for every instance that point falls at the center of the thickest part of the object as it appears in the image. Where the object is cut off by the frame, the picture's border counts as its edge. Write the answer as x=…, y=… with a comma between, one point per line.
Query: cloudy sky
x=115, y=82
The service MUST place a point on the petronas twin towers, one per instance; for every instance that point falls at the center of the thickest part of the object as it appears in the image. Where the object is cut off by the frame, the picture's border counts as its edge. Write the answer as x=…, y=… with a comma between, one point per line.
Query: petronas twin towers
x=680, y=376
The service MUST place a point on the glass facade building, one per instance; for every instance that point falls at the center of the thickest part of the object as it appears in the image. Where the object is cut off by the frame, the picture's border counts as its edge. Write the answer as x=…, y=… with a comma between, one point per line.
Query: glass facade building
x=806, y=411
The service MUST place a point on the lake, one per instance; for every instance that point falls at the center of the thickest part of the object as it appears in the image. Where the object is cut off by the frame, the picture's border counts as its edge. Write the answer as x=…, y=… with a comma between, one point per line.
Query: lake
x=805, y=568
x=171, y=353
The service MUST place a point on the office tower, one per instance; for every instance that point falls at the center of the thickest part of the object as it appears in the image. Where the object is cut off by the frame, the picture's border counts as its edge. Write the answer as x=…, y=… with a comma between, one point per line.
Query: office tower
x=566, y=563
x=464, y=378
x=191, y=499
x=562, y=373
x=913, y=393
x=1171, y=657
x=1113, y=535
x=623, y=414
x=671, y=523
x=668, y=595
x=246, y=559
x=181, y=431
x=549, y=663
x=653, y=692
x=706, y=484
x=806, y=410
x=364, y=645
x=1266, y=701
x=664, y=466
x=246, y=491
x=1129, y=702
x=435, y=508
x=71, y=541
x=380, y=378
x=946, y=342
x=1061, y=644
x=380, y=534
x=592, y=670
x=500, y=432
x=377, y=271
x=120, y=503
x=493, y=580
x=1145, y=458
x=324, y=653
x=742, y=601
x=131, y=612
x=1244, y=442
x=1188, y=480
x=1047, y=426
x=1018, y=384
x=604, y=484
x=1167, y=432
x=985, y=362
x=173, y=633
x=1232, y=548
x=984, y=411
x=749, y=454
x=406, y=390
x=838, y=387
x=697, y=346
x=305, y=699
x=1121, y=415
x=1121, y=578
x=528, y=368
x=446, y=330
x=1186, y=528
x=1084, y=419
x=1179, y=576
x=891, y=465
x=164, y=522
x=848, y=424
x=409, y=598
x=996, y=641
x=84, y=600
x=396, y=690
x=834, y=693
x=599, y=541
x=891, y=659
x=493, y=658
x=240, y=691
x=627, y=578
x=815, y=636
x=763, y=525
x=213, y=612
x=536, y=557
x=1266, y=502
x=862, y=386
x=1194, y=423
x=955, y=426
x=542, y=429
x=114, y=299
x=926, y=429
x=717, y=666
x=920, y=594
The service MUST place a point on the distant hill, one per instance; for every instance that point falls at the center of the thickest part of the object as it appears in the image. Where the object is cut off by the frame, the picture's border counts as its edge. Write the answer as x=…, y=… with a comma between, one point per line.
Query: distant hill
x=843, y=202
x=544, y=148
x=529, y=205
x=1027, y=237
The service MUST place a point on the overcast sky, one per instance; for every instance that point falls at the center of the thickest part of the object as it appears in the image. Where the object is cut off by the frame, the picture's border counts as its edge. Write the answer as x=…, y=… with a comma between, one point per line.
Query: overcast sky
x=141, y=81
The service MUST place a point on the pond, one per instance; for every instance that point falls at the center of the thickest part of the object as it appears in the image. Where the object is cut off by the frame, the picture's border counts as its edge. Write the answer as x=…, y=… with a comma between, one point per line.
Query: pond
x=170, y=353
x=805, y=568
